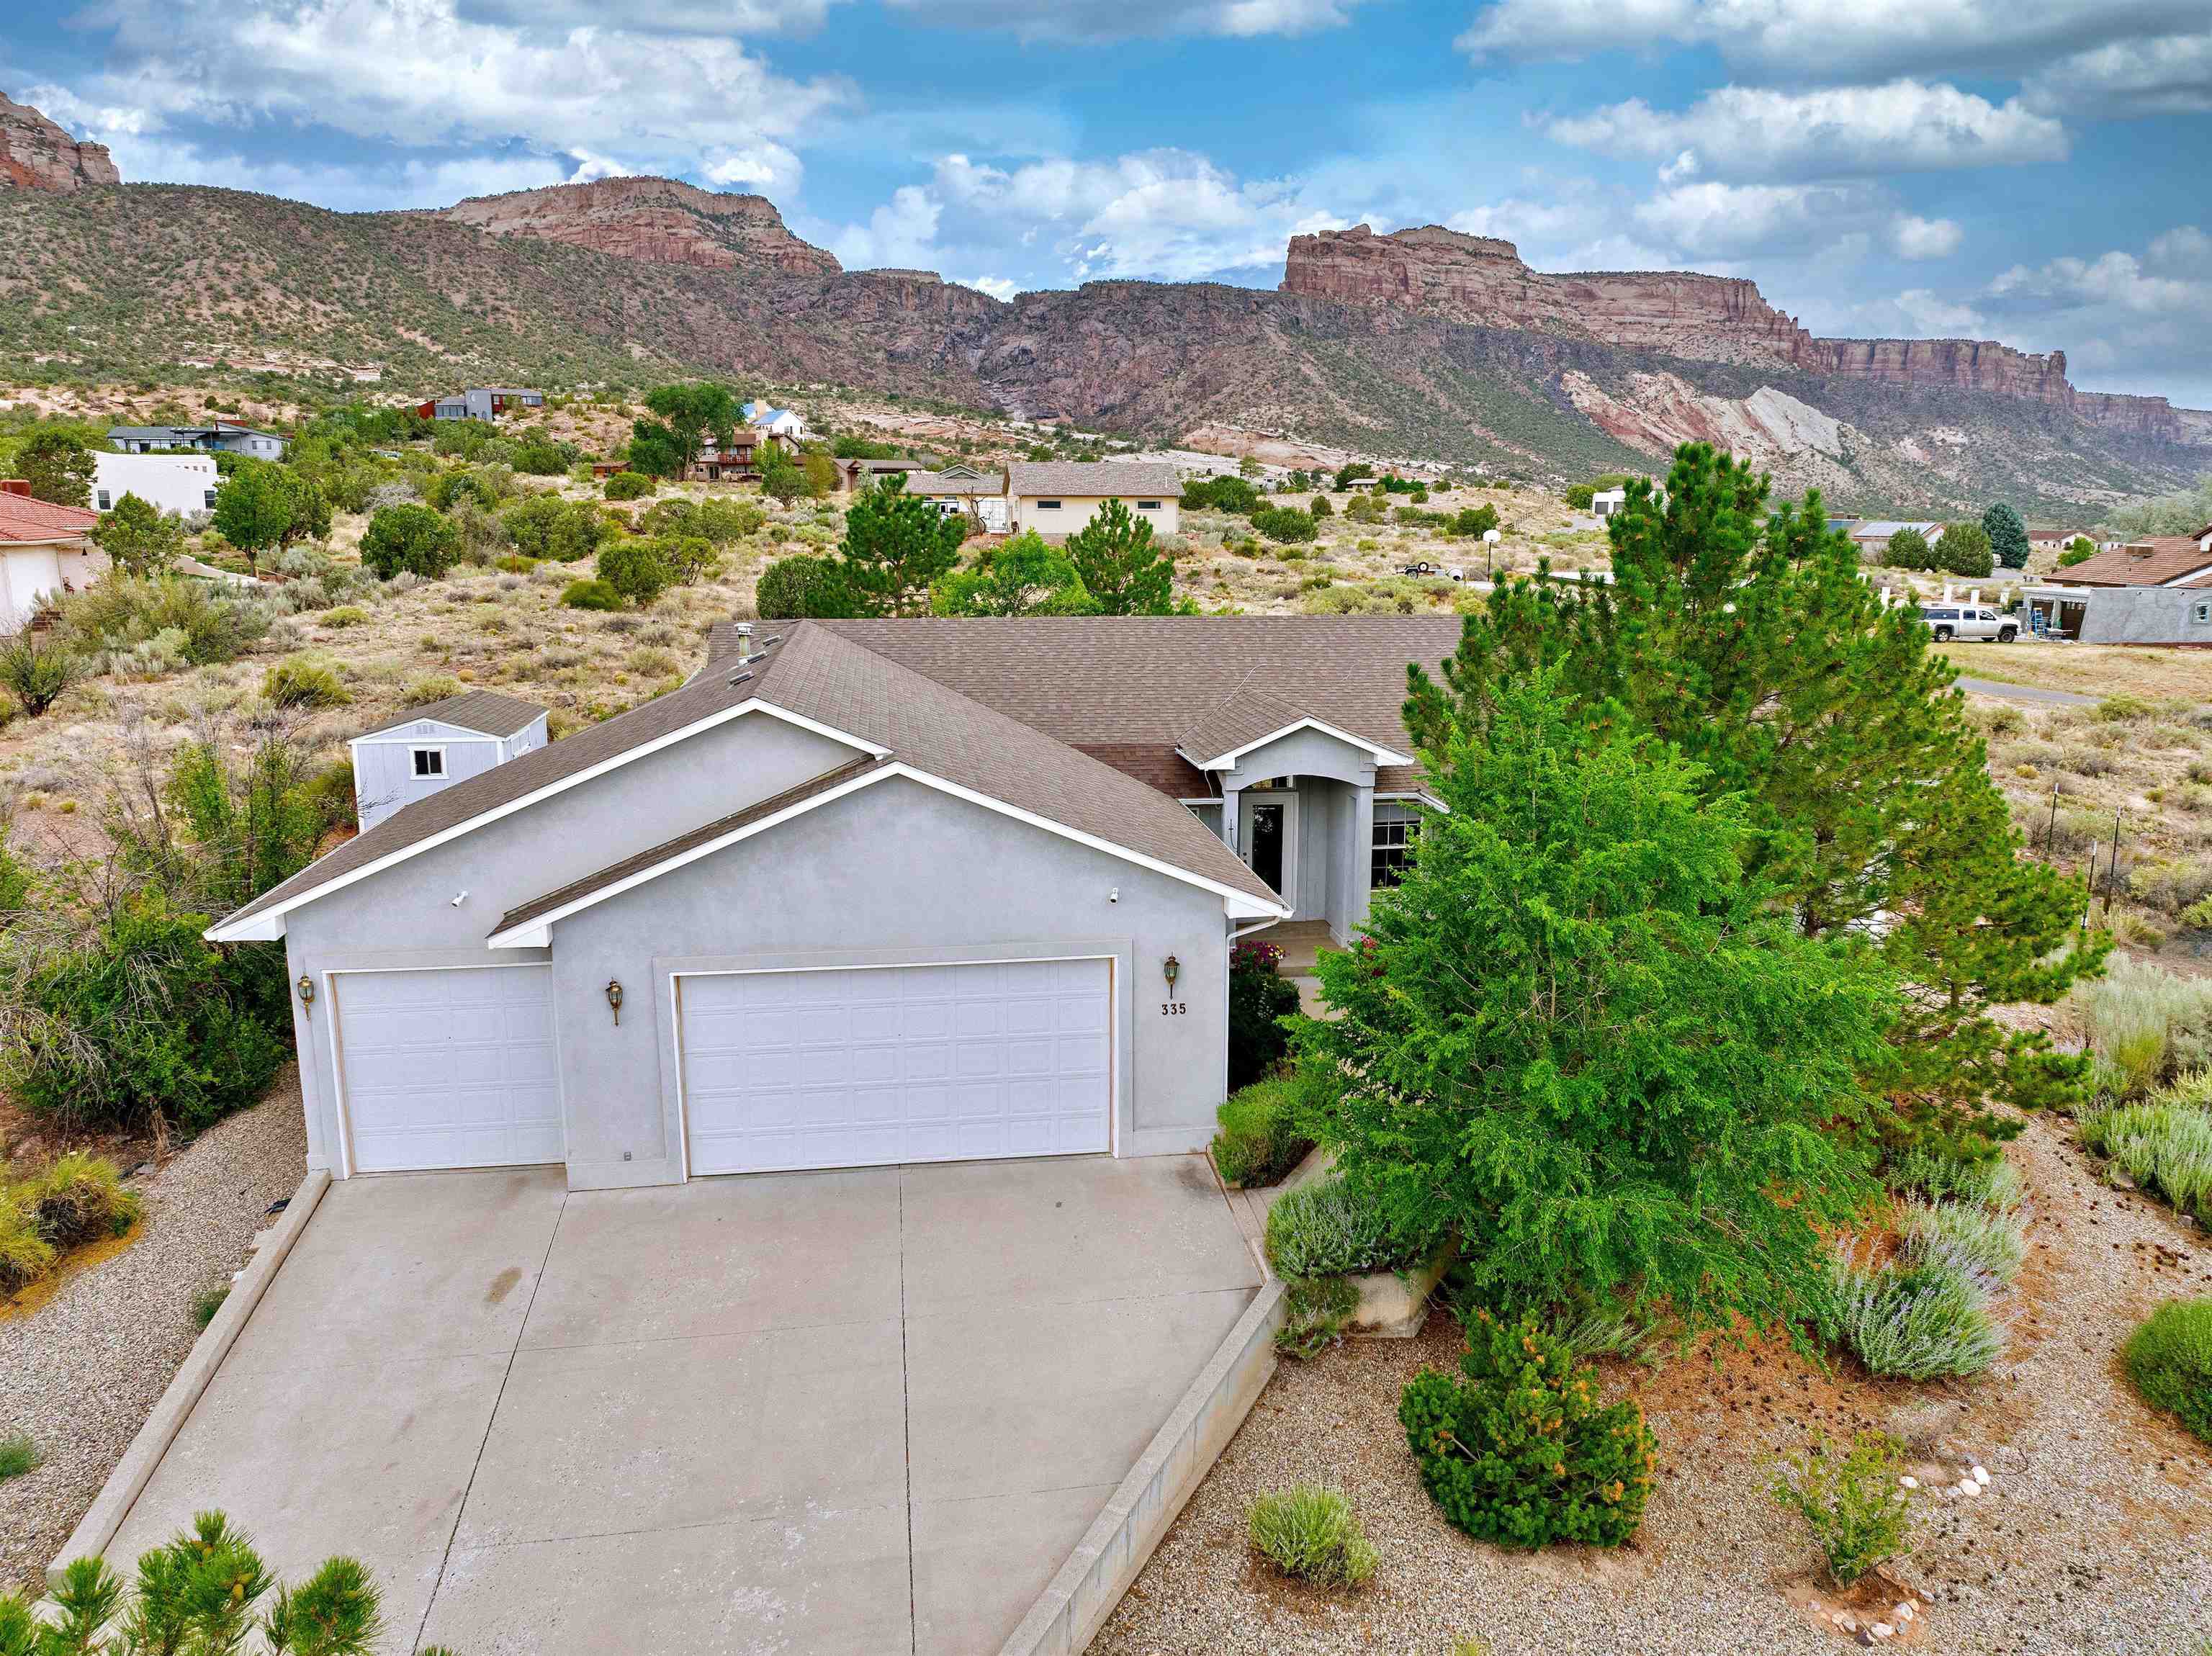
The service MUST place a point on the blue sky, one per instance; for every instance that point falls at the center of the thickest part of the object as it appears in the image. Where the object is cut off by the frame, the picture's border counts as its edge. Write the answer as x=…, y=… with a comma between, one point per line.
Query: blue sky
x=2030, y=169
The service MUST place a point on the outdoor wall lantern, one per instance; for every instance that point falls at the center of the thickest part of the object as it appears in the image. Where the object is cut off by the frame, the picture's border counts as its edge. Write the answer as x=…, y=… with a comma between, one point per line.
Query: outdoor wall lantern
x=615, y=998
x=306, y=990
x=1173, y=969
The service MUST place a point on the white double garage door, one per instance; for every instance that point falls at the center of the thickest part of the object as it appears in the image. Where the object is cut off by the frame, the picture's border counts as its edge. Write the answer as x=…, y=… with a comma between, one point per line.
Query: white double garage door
x=849, y=1067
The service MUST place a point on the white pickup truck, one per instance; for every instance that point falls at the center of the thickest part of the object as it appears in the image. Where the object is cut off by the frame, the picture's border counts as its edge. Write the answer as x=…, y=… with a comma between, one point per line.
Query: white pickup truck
x=1969, y=620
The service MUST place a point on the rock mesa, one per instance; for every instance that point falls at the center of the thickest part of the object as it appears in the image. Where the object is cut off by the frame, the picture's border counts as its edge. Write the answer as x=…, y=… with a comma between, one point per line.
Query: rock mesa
x=660, y=220
x=37, y=154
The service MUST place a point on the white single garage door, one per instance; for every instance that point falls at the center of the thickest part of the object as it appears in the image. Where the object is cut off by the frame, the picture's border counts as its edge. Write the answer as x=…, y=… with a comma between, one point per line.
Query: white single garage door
x=451, y=1069
x=860, y=1067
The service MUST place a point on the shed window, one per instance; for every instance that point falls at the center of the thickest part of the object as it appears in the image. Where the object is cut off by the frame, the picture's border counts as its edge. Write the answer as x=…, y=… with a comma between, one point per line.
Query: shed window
x=2200, y=611
x=1397, y=828
x=429, y=761
x=105, y=504
x=1047, y=505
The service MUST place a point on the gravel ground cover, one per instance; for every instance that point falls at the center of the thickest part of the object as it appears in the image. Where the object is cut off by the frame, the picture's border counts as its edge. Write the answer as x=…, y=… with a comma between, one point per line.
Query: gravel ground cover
x=2094, y=1535
x=80, y=1372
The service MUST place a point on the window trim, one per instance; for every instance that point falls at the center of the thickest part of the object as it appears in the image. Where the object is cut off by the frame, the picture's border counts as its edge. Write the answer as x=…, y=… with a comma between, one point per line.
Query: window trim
x=1409, y=827
x=1047, y=505
x=417, y=752
x=1148, y=505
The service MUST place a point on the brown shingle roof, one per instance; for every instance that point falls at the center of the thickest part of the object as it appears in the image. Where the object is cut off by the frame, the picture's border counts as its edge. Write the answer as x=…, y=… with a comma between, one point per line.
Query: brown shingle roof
x=2170, y=557
x=483, y=711
x=938, y=482
x=1123, y=480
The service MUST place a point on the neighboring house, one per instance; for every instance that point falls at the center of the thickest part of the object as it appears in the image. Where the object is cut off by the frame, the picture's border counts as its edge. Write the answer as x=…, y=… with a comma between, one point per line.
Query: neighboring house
x=2149, y=591
x=1872, y=538
x=45, y=550
x=435, y=746
x=1606, y=501
x=781, y=422
x=480, y=402
x=182, y=483
x=866, y=474
x=740, y=461
x=2058, y=540
x=859, y=893
x=960, y=490
x=220, y=438
x=1058, y=497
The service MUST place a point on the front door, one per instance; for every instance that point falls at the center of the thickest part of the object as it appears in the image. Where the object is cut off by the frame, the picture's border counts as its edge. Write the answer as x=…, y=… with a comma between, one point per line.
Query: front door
x=1267, y=828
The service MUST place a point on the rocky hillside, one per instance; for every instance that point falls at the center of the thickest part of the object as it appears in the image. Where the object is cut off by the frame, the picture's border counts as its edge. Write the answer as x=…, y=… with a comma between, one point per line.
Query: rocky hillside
x=1482, y=279
x=1423, y=345
x=36, y=155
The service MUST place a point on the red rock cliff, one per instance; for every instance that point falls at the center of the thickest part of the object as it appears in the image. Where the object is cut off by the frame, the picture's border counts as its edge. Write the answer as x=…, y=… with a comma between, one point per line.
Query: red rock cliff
x=36, y=155
x=660, y=220
x=1483, y=280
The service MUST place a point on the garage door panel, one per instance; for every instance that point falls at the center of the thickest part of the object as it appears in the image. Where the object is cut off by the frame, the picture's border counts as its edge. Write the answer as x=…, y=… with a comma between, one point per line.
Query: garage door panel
x=868, y=1065
x=449, y=1069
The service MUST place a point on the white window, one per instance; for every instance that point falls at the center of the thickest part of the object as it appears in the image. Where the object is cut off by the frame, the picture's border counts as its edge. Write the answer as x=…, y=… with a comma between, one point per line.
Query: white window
x=105, y=504
x=429, y=761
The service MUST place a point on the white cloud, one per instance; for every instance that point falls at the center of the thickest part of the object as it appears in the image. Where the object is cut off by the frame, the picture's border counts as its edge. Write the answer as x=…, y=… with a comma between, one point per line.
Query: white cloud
x=419, y=74
x=997, y=287
x=2169, y=75
x=410, y=181
x=1820, y=40
x=902, y=234
x=1117, y=20
x=1753, y=132
x=1710, y=220
x=1913, y=237
x=1916, y=313
x=2139, y=321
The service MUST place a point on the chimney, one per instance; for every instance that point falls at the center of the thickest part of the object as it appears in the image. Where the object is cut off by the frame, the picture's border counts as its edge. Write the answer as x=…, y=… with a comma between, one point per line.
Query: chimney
x=2140, y=548
x=16, y=486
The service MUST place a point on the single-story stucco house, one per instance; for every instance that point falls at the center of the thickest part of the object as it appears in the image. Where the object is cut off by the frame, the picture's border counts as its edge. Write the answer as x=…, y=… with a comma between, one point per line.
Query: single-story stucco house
x=960, y=489
x=859, y=893
x=45, y=550
x=1056, y=498
x=182, y=483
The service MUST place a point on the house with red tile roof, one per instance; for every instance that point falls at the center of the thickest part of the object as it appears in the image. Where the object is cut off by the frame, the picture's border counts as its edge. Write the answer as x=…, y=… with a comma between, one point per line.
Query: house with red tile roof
x=45, y=550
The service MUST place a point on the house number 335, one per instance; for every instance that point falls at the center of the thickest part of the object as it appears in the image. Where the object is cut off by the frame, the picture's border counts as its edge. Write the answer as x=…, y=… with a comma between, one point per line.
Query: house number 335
x=1174, y=1009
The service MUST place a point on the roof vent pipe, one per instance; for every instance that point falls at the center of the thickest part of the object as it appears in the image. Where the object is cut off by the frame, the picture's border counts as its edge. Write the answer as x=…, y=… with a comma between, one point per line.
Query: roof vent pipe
x=745, y=641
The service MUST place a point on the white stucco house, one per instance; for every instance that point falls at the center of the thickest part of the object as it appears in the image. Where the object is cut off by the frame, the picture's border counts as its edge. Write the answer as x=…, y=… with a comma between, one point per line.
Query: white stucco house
x=46, y=551
x=779, y=422
x=1056, y=498
x=439, y=744
x=859, y=893
x=182, y=483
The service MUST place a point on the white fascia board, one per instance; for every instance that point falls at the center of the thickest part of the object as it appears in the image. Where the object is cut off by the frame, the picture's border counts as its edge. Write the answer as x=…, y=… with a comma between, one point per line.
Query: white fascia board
x=1428, y=799
x=536, y=933
x=1228, y=761
x=254, y=928
x=446, y=734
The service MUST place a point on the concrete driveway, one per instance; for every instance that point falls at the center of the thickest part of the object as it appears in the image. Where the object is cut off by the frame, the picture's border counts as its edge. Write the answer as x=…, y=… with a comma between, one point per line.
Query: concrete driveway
x=853, y=1412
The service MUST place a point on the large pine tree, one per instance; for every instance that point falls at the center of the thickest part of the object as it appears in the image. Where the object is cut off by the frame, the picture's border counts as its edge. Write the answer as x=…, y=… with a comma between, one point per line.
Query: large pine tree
x=1748, y=638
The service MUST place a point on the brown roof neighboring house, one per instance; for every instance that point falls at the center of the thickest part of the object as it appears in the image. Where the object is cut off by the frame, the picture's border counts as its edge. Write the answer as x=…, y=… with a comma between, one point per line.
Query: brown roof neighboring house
x=956, y=481
x=2163, y=561
x=1085, y=479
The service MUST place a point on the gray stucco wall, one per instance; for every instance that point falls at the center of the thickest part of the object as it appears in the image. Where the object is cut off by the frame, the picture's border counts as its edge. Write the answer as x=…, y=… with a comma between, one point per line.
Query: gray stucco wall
x=406, y=916
x=896, y=872
x=2146, y=615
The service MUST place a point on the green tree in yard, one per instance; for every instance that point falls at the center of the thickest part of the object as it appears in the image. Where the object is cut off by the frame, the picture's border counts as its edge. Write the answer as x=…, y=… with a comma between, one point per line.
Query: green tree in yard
x=139, y=539
x=897, y=547
x=1123, y=569
x=1024, y=577
x=782, y=478
x=688, y=414
x=410, y=538
x=1964, y=550
x=1583, y=1034
x=58, y=466
x=1474, y=521
x=255, y=508
x=1908, y=549
x=638, y=569
x=2007, y=536
x=1750, y=641
x=2080, y=550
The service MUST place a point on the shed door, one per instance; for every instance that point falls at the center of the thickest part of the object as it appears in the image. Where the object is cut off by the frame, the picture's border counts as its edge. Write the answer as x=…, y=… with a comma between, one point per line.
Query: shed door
x=452, y=1069
x=859, y=1067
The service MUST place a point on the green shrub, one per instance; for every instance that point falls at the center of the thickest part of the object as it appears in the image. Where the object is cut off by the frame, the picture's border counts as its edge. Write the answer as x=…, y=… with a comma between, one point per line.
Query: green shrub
x=1316, y=1310
x=792, y=589
x=346, y=614
x=200, y=623
x=303, y=684
x=1260, y=998
x=208, y=1302
x=25, y=1256
x=590, y=595
x=413, y=540
x=1311, y=1535
x=1857, y=1510
x=1259, y=1141
x=1283, y=522
x=18, y=1455
x=37, y=671
x=2169, y=1359
x=206, y=1591
x=547, y=526
x=78, y=1199
x=1913, y=1322
x=1520, y=1451
x=1988, y=1181
x=1327, y=1229
x=628, y=486
x=132, y=1017
x=2163, y=1144
x=1964, y=550
x=638, y=570
x=2146, y=1023
x=1980, y=1241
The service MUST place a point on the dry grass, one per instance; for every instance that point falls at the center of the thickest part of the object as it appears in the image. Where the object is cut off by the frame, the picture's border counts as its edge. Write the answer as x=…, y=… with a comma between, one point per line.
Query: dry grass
x=2098, y=670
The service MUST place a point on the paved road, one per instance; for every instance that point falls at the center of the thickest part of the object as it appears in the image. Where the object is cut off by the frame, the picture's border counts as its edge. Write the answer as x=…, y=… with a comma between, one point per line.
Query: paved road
x=2027, y=692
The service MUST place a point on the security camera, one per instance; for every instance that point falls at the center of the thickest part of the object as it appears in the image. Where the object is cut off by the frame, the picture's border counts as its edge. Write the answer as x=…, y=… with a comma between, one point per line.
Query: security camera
x=460, y=897
x=1114, y=895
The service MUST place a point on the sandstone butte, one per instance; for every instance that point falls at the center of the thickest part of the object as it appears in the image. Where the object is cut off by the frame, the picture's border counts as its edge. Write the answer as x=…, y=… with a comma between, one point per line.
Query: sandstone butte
x=37, y=154
x=661, y=220
x=1482, y=280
